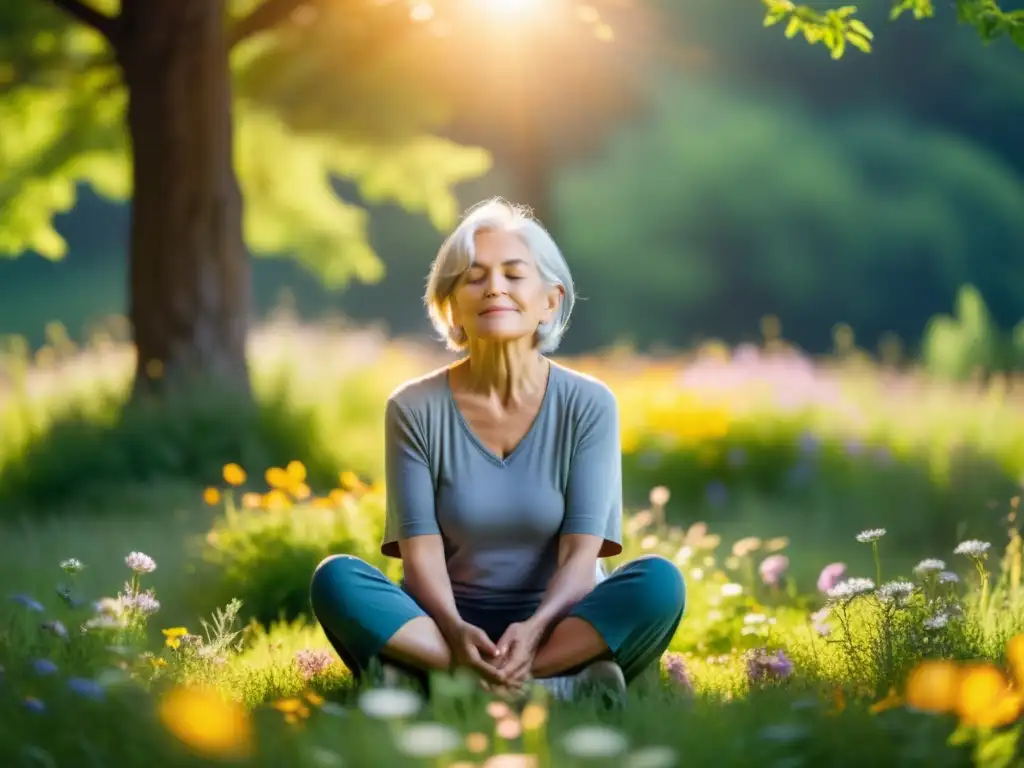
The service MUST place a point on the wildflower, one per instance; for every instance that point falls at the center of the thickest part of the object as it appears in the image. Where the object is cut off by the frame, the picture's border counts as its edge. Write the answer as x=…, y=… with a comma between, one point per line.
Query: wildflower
x=387, y=703
x=108, y=606
x=207, y=722
x=896, y=590
x=851, y=588
x=928, y=566
x=28, y=602
x=891, y=701
x=32, y=704
x=57, y=628
x=732, y=590
x=984, y=698
x=938, y=621
x=933, y=686
x=511, y=760
x=211, y=496
x=830, y=575
x=173, y=636
x=774, y=545
x=652, y=757
x=71, y=566
x=104, y=621
x=972, y=548
x=534, y=716
x=140, y=563
x=659, y=496
x=43, y=667
x=948, y=577
x=234, y=474
x=676, y=668
x=871, y=535
x=425, y=740
x=594, y=741
x=508, y=728
x=143, y=602
x=312, y=662
x=746, y=546
x=762, y=665
x=773, y=568
x=818, y=621
x=87, y=689
x=476, y=742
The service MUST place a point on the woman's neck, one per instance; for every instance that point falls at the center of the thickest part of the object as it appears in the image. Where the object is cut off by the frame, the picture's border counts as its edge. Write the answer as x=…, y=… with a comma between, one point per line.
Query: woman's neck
x=507, y=371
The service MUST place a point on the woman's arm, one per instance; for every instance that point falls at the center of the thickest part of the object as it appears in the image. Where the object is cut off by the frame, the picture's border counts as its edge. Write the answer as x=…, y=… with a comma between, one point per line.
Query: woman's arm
x=426, y=578
x=575, y=577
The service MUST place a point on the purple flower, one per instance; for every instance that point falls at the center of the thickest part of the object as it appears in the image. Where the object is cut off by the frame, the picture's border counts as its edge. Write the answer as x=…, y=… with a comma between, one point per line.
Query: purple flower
x=312, y=662
x=773, y=568
x=763, y=666
x=831, y=575
x=676, y=668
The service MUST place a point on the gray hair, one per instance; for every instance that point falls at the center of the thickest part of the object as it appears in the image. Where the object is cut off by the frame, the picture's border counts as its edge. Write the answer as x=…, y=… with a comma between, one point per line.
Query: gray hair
x=458, y=252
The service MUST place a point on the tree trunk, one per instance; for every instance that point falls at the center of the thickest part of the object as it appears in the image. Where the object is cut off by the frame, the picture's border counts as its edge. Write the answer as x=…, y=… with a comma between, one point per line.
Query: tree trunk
x=189, y=275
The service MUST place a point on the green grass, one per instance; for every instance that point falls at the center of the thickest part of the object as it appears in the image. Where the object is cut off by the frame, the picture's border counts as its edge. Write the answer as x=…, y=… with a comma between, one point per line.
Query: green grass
x=932, y=463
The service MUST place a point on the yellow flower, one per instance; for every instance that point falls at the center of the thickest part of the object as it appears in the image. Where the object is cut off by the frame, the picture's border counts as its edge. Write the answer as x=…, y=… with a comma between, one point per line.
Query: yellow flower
x=985, y=698
x=211, y=496
x=234, y=474
x=933, y=686
x=350, y=481
x=252, y=500
x=534, y=716
x=276, y=499
x=207, y=723
x=314, y=698
x=476, y=742
x=174, y=635
x=296, y=472
x=301, y=491
x=277, y=478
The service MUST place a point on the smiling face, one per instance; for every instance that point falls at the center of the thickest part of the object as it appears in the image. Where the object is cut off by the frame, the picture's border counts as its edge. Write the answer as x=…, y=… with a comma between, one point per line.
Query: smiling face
x=502, y=295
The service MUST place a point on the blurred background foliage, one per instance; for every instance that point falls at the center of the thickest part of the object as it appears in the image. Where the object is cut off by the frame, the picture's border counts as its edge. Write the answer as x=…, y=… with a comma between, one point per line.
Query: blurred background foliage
x=704, y=173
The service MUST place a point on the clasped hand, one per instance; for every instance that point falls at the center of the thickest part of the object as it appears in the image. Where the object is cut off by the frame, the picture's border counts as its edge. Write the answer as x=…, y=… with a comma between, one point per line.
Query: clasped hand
x=506, y=663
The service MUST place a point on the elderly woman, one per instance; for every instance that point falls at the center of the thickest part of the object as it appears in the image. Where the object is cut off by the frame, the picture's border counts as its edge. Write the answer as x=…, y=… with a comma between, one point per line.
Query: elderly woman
x=504, y=488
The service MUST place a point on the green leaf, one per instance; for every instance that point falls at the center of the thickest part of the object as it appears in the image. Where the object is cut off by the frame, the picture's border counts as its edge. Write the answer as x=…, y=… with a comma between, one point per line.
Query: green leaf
x=860, y=28
x=793, y=27
x=997, y=749
x=859, y=42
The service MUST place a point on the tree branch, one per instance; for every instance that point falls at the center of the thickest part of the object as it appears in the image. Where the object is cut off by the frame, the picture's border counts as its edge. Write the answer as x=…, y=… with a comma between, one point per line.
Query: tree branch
x=267, y=15
x=89, y=16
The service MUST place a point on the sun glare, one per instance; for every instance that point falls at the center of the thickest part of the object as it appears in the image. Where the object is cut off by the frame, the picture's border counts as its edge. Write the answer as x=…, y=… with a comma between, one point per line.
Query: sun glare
x=510, y=7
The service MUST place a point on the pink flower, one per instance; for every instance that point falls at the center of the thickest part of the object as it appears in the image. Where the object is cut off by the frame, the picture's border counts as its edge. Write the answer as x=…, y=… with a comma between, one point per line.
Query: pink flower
x=312, y=662
x=831, y=575
x=676, y=668
x=762, y=665
x=773, y=568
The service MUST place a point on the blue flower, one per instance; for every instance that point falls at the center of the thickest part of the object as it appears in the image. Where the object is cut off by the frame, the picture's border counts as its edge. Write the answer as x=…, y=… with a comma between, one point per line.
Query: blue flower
x=32, y=704
x=88, y=689
x=28, y=602
x=44, y=667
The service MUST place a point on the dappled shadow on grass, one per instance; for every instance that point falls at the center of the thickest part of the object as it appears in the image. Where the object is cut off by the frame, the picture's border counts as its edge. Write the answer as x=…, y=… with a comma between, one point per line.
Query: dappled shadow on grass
x=92, y=457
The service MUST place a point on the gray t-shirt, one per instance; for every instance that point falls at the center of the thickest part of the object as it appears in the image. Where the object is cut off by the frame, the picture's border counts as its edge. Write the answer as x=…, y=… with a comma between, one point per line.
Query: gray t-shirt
x=500, y=519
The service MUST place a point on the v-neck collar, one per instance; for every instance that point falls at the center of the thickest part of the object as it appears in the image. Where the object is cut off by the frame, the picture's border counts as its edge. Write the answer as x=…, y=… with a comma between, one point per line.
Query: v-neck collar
x=521, y=445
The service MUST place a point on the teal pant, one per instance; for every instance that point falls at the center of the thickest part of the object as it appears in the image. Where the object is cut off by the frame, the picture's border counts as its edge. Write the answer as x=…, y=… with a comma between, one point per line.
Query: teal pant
x=636, y=610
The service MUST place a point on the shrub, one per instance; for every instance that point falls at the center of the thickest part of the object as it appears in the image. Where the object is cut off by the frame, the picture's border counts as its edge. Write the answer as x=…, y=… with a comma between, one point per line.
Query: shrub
x=264, y=548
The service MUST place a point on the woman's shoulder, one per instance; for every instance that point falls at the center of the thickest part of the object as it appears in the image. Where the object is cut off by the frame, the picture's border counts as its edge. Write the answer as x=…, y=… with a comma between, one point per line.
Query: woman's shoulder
x=422, y=392
x=584, y=392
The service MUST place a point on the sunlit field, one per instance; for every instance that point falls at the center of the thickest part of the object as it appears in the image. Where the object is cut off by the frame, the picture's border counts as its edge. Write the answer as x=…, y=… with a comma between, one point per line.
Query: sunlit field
x=848, y=533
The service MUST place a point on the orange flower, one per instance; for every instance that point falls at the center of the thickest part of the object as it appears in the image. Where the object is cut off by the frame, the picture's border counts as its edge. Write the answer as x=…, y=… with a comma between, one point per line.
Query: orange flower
x=207, y=723
x=891, y=701
x=933, y=686
x=234, y=474
x=985, y=698
x=211, y=496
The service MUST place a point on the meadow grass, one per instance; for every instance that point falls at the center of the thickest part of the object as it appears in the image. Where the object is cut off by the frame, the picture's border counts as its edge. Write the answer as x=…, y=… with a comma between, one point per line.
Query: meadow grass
x=764, y=468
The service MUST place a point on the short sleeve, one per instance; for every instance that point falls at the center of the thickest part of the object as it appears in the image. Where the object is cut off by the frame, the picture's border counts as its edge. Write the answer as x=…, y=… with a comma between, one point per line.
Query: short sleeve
x=409, y=485
x=593, y=494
